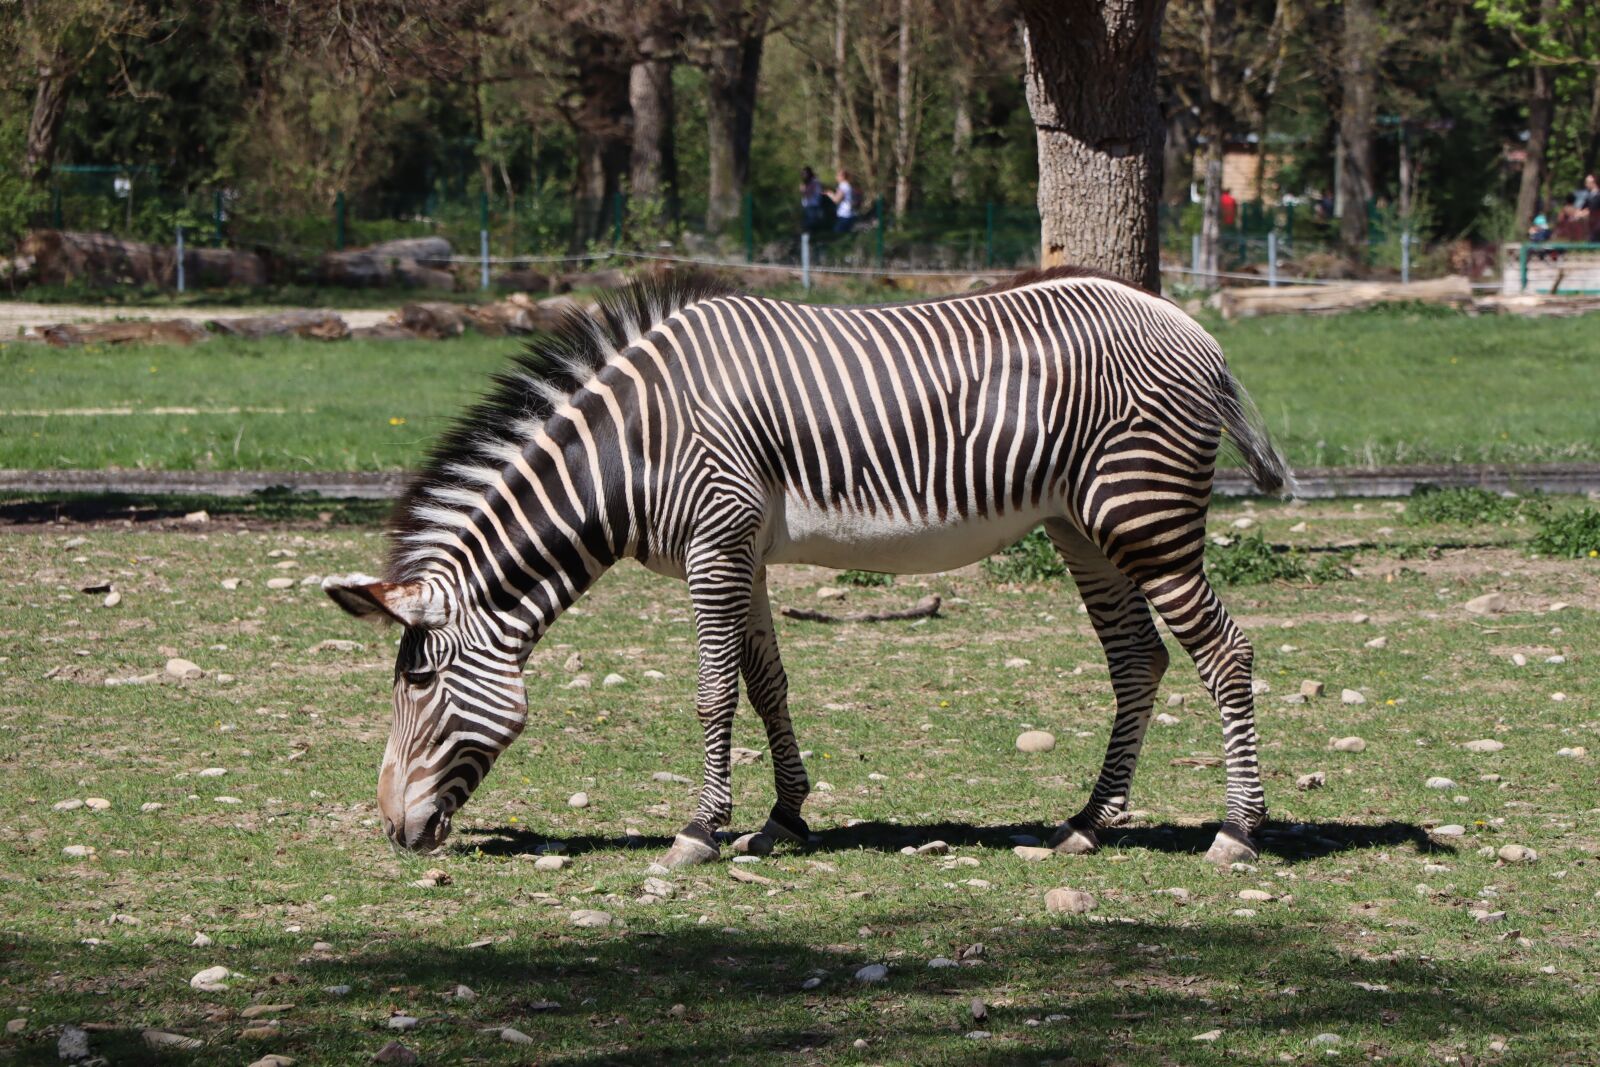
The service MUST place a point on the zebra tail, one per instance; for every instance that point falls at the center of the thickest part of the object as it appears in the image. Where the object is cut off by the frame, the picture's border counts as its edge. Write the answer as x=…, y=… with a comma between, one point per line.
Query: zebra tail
x=1246, y=433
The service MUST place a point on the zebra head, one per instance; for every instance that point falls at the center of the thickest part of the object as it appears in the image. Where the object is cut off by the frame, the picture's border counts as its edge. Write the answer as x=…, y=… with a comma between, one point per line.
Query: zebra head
x=458, y=703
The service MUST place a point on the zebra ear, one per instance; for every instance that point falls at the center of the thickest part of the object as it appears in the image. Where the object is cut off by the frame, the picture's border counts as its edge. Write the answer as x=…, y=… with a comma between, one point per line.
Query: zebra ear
x=366, y=597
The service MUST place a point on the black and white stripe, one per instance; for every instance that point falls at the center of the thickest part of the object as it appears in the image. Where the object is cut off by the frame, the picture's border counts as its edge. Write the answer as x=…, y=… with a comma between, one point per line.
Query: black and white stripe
x=709, y=434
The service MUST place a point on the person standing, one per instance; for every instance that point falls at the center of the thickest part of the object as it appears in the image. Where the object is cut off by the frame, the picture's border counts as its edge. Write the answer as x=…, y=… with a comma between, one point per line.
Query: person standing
x=843, y=196
x=810, y=199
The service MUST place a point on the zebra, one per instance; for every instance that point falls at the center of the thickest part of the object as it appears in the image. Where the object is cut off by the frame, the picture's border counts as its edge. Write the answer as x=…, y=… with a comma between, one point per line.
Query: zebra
x=709, y=434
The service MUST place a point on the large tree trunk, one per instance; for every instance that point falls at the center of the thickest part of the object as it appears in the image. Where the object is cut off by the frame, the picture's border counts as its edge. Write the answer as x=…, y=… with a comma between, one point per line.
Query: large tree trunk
x=1591, y=140
x=1216, y=30
x=654, y=167
x=905, y=134
x=731, y=79
x=49, y=105
x=839, y=86
x=1357, y=117
x=1541, y=114
x=602, y=121
x=1091, y=70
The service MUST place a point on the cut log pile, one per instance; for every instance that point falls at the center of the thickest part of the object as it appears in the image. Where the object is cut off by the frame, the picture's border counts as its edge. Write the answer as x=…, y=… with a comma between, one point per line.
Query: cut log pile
x=315, y=325
x=1241, y=303
x=61, y=257
x=412, y=262
x=143, y=331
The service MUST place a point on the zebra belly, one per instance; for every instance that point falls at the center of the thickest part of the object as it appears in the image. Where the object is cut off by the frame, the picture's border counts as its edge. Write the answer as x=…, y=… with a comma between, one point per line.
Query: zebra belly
x=805, y=533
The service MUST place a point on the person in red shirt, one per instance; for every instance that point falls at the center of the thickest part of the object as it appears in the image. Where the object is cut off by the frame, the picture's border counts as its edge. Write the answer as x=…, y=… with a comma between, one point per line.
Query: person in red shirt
x=1230, y=207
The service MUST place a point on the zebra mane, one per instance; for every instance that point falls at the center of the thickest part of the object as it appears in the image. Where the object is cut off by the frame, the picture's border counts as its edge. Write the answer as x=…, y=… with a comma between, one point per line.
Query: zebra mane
x=539, y=379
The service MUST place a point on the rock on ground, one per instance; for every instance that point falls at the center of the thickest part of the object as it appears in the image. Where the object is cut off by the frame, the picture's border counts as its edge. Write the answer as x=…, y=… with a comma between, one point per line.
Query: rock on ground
x=872, y=974
x=1351, y=696
x=1069, y=902
x=1035, y=741
x=1348, y=744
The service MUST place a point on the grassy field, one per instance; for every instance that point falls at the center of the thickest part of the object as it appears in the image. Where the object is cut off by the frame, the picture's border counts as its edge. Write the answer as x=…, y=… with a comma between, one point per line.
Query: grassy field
x=1352, y=390
x=1371, y=931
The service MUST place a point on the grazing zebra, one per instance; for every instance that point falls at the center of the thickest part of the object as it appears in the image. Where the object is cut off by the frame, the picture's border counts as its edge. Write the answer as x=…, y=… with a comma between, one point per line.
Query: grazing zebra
x=708, y=434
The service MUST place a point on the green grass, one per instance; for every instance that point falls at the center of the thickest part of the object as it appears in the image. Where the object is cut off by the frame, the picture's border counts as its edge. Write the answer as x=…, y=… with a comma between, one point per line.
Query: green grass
x=1359, y=941
x=1351, y=390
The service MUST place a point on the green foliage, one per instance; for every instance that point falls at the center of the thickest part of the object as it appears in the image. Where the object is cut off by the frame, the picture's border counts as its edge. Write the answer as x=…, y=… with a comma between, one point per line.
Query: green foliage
x=865, y=579
x=1251, y=560
x=1458, y=506
x=20, y=199
x=1032, y=559
x=1569, y=535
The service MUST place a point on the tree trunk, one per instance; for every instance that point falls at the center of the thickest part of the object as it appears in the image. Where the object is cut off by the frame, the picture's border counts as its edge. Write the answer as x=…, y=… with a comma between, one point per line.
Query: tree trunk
x=904, y=133
x=1091, y=81
x=1591, y=141
x=731, y=79
x=653, y=173
x=1211, y=215
x=839, y=85
x=1541, y=113
x=49, y=105
x=1216, y=29
x=1357, y=117
x=960, y=132
x=601, y=122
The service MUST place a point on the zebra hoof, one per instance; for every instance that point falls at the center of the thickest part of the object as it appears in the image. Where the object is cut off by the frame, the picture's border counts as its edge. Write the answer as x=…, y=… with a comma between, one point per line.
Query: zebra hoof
x=781, y=826
x=1071, y=841
x=1233, y=845
x=690, y=850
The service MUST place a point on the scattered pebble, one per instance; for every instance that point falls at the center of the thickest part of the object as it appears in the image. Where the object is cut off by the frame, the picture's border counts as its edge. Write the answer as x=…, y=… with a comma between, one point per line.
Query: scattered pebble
x=1069, y=902
x=396, y=1053
x=745, y=757
x=1033, y=853
x=550, y=863
x=402, y=1022
x=211, y=772
x=979, y=1035
x=1314, y=780
x=1256, y=895
x=1327, y=1039
x=1348, y=744
x=1175, y=892
x=1487, y=744
x=1310, y=689
x=67, y=805
x=578, y=800
x=112, y=599
x=612, y=680
x=581, y=681
x=209, y=980
x=16, y=1026
x=1487, y=604
x=939, y=963
x=1360, y=618
x=163, y=1040
x=1243, y=913
x=73, y=1044
x=1517, y=854
x=933, y=848
x=151, y=805
x=1557, y=659
x=653, y=676
x=830, y=592
x=1209, y=1035
x=1351, y=696
x=1518, y=659
x=1378, y=642
x=1175, y=700
x=872, y=974
x=183, y=670
x=1449, y=830
x=1035, y=741
x=1168, y=720
x=1438, y=782
x=1558, y=697
x=280, y=583
x=1017, y=663
x=573, y=663
x=1575, y=752
x=669, y=777
x=811, y=983
x=589, y=919
x=78, y=852
x=200, y=941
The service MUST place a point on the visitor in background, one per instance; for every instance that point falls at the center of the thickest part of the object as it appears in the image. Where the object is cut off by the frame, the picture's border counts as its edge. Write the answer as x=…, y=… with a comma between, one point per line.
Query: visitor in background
x=810, y=199
x=843, y=196
x=1230, y=208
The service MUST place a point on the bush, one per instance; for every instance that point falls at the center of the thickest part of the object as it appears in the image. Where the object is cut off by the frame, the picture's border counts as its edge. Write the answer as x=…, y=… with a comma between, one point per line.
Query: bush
x=1032, y=559
x=1249, y=560
x=1459, y=506
x=1569, y=535
x=865, y=579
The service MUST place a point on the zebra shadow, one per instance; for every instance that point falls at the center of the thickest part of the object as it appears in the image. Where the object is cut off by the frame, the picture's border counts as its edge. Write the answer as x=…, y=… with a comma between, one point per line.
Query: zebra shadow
x=1292, y=842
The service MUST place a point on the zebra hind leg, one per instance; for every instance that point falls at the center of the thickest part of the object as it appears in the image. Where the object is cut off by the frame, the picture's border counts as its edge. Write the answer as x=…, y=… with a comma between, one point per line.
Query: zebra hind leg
x=1137, y=659
x=768, y=688
x=720, y=588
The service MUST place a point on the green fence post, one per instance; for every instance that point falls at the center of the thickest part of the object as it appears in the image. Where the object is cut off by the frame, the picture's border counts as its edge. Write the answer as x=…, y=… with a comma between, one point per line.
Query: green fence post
x=749, y=228
x=1522, y=254
x=338, y=221
x=988, y=233
x=216, y=218
x=882, y=222
x=618, y=206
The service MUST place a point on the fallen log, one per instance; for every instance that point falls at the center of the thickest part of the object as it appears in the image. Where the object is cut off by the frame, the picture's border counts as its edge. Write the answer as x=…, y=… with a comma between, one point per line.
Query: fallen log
x=313, y=325
x=141, y=331
x=926, y=608
x=383, y=331
x=413, y=262
x=1538, y=305
x=1241, y=303
x=434, y=320
x=498, y=320
x=58, y=257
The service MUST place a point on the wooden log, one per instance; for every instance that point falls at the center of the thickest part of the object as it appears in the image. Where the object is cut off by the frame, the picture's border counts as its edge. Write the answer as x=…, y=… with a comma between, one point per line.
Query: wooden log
x=593, y=279
x=433, y=320
x=139, y=331
x=205, y=268
x=383, y=331
x=926, y=608
x=1323, y=299
x=315, y=325
x=1538, y=305
x=498, y=320
x=415, y=262
x=524, y=280
x=61, y=257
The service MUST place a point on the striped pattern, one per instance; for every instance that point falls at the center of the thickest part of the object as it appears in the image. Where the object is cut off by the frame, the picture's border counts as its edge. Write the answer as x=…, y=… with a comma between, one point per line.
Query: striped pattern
x=709, y=434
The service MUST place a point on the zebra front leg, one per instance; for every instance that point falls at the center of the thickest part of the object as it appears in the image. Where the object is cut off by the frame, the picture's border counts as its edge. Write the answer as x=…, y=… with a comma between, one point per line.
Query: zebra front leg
x=719, y=587
x=768, y=688
x=1137, y=659
x=1224, y=658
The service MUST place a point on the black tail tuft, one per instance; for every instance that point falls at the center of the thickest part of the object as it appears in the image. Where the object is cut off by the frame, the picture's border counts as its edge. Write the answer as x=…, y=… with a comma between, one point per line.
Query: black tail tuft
x=1247, y=432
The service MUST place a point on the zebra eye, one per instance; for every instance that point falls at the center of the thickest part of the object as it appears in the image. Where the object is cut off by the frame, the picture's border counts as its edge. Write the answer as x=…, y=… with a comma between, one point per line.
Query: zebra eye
x=420, y=679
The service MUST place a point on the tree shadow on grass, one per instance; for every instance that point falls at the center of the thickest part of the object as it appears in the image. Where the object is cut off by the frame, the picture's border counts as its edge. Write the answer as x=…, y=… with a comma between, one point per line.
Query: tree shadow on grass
x=676, y=992
x=1294, y=842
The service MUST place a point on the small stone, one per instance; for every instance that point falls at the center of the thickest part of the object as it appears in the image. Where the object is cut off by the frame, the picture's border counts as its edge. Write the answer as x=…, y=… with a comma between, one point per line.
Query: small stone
x=183, y=670
x=1378, y=642
x=197, y=518
x=162, y=1040
x=273, y=1059
x=402, y=1022
x=200, y=941
x=1175, y=892
x=230, y=584
x=16, y=1026
x=1069, y=902
x=939, y=963
x=660, y=888
x=872, y=974
x=1243, y=913
x=578, y=800
x=1017, y=663
x=1360, y=618
x=73, y=1044
x=744, y=757
x=1485, y=916
x=1438, y=782
x=1209, y=1035
x=1033, y=854
x=96, y=803
x=1556, y=660
x=811, y=983
x=1518, y=659
x=1035, y=741
x=1310, y=689
x=978, y=1035
x=321, y=946
x=1449, y=830
x=589, y=919
x=669, y=777
x=226, y=800
x=1348, y=744
x=653, y=676
x=573, y=663
x=209, y=979
x=395, y=1052
x=151, y=805
x=1517, y=854
x=1244, y=523
x=280, y=583
x=933, y=848
x=550, y=863
x=514, y=1036
x=1314, y=780
x=1351, y=696
x=1167, y=720
x=830, y=592
x=1558, y=697
x=1487, y=604
x=463, y=992
x=1487, y=744
x=753, y=845
x=1299, y=527
x=78, y=852
x=67, y=805
x=611, y=681
x=1575, y=752
x=581, y=681
x=859, y=1042
x=112, y=599
x=1255, y=895
x=211, y=772
x=1327, y=1039
x=336, y=990
x=1175, y=700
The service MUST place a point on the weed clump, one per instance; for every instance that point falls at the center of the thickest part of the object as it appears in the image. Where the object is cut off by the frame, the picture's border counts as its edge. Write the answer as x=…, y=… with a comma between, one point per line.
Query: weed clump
x=1251, y=560
x=1569, y=535
x=1245, y=561
x=865, y=579
x=1032, y=559
x=1468, y=505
